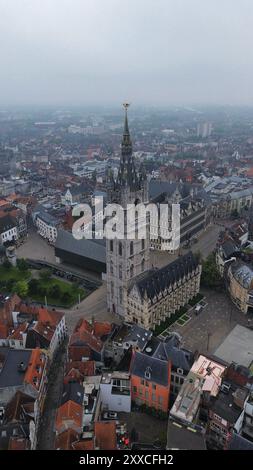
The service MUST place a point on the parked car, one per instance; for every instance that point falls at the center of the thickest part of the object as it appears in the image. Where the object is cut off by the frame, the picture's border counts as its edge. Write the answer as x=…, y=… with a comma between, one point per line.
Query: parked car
x=198, y=309
x=110, y=415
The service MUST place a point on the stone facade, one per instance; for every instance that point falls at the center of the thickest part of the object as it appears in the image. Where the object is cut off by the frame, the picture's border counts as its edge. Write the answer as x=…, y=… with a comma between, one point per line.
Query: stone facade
x=162, y=292
x=125, y=258
x=134, y=292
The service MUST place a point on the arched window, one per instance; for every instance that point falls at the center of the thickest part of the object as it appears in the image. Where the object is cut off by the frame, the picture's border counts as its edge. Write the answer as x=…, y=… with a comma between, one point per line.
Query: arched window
x=142, y=244
x=131, y=248
x=111, y=245
x=120, y=249
x=120, y=271
x=132, y=270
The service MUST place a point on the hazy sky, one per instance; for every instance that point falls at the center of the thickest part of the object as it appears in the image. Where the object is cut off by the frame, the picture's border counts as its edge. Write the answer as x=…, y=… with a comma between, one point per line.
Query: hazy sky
x=145, y=51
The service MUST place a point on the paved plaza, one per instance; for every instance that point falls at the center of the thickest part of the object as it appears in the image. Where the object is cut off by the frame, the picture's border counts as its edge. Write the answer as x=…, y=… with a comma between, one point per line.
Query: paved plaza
x=206, y=331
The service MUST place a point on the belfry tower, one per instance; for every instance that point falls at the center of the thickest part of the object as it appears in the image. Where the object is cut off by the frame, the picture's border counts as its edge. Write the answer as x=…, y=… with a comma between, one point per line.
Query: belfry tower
x=125, y=258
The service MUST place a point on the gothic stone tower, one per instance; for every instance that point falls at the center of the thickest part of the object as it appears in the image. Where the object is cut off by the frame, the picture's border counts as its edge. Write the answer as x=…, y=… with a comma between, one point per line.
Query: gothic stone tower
x=125, y=259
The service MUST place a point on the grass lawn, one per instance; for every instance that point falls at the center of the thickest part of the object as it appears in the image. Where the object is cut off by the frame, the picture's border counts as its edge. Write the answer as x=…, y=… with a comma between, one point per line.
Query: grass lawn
x=184, y=319
x=13, y=273
x=64, y=287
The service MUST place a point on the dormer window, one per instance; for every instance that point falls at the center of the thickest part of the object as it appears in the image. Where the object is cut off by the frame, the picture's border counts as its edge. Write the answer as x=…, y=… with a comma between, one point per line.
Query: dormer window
x=148, y=373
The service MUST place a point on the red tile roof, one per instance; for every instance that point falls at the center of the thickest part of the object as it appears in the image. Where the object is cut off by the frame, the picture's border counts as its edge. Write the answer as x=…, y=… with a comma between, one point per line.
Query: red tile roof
x=35, y=368
x=105, y=435
x=90, y=334
x=77, y=370
x=18, y=443
x=64, y=440
x=83, y=445
x=4, y=331
x=69, y=415
x=17, y=332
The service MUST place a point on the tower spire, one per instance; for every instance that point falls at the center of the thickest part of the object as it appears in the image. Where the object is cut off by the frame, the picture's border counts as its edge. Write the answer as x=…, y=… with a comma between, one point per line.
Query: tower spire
x=126, y=146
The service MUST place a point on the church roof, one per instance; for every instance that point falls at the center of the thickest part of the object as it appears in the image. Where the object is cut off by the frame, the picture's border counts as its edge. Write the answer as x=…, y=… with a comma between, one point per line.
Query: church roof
x=156, y=281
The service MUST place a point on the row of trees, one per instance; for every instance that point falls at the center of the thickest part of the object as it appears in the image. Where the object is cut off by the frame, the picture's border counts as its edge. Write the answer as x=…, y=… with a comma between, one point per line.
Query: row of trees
x=210, y=276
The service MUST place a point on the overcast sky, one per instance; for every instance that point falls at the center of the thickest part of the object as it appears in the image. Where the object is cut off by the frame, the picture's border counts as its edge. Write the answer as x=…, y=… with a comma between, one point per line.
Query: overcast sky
x=157, y=52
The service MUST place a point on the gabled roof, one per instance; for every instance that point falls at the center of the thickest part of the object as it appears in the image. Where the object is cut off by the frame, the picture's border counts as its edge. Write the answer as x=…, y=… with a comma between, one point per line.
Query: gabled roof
x=65, y=439
x=229, y=248
x=17, y=333
x=156, y=281
x=69, y=415
x=83, y=445
x=87, y=334
x=72, y=391
x=77, y=370
x=170, y=350
x=7, y=223
x=14, y=408
x=157, y=368
x=105, y=435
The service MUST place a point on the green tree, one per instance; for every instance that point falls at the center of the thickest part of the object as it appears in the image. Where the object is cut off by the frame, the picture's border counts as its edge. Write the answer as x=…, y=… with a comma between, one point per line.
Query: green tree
x=33, y=286
x=210, y=276
x=7, y=264
x=22, y=264
x=21, y=288
x=66, y=297
x=55, y=291
x=45, y=274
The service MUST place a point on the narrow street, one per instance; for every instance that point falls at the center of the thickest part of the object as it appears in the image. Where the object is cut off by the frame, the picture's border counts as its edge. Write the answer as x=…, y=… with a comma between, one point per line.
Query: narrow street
x=46, y=434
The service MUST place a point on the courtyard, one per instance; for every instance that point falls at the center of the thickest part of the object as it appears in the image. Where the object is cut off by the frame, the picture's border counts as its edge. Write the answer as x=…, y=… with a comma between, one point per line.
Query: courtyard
x=148, y=428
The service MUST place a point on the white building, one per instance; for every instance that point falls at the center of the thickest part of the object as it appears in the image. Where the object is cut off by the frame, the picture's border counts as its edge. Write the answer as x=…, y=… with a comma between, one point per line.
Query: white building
x=47, y=225
x=115, y=392
x=8, y=229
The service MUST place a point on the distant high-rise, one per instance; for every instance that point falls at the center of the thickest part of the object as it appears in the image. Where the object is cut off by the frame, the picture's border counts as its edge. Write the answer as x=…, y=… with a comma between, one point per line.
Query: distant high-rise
x=204, y=129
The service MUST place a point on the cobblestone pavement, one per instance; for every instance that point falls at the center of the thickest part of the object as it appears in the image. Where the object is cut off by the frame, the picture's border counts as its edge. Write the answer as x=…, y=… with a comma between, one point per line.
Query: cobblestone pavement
x=93, y=306
x=205, y=245
x=46, y=433
x=207, y=331
x=36, y=247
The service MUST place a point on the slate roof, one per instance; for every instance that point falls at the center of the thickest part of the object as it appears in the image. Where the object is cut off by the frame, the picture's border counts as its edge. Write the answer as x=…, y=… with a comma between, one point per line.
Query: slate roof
x=7, y=223
x=92, y=249
x=158, y=368
x=80, y=189
x=132, y=333
x=239, y=443
x=10, y=376
x=223, y=405
x=157, y=281
x=243, y=274
x=158, y=187
x=229, y=248
x=72, y=391
x=170, y=350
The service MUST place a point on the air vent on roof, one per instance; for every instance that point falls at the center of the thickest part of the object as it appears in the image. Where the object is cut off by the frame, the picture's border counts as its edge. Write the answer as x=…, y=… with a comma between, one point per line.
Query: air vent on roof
x=225, y=387
x=21, y=367
x=148, y=350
